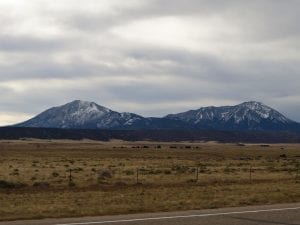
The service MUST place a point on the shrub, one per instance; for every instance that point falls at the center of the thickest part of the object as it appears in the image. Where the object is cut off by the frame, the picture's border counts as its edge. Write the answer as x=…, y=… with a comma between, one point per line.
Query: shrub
x=120, y=184
x=72, y=184
x=229, y=169
x=180, y=169
x=77, y=170
x=41, y=184
x=7, y=185
x=104, y=174
x=191, y=181
x=158, y=171
x=167, y=172
x=129, y=172
x=15, y=172
x=55, y=174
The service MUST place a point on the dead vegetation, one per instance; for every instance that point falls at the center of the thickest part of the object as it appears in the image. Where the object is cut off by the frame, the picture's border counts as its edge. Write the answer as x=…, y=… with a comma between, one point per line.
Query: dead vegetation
x=60, y=179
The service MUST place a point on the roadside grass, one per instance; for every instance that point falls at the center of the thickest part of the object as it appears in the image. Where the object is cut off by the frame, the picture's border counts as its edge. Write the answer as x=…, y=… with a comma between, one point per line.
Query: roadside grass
x=69, y=179
x=145, y=198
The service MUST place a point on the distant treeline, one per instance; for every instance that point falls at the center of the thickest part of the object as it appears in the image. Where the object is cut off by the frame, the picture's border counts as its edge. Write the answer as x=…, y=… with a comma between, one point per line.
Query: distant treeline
x=12, y=133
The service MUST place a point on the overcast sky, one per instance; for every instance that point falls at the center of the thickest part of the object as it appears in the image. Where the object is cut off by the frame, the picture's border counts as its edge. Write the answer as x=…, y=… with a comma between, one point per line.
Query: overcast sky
x=150, y=57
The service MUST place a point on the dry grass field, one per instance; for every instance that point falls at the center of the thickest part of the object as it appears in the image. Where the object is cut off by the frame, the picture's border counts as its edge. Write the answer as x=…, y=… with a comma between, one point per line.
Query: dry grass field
x=41, y=179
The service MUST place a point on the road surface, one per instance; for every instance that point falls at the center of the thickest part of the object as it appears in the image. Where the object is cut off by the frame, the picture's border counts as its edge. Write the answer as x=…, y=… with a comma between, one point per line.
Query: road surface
x=286, y=214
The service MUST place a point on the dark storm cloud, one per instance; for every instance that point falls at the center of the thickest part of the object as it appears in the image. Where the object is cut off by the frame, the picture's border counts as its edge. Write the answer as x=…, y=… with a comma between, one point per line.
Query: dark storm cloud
x=149, y=56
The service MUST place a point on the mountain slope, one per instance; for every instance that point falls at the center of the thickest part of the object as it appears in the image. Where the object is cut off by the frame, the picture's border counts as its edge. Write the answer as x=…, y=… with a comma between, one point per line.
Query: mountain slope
x=88, y=115
x=246, y=116
x=81, y=114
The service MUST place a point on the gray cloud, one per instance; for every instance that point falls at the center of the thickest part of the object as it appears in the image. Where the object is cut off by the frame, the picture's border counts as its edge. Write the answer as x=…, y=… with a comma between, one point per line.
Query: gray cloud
x=151, y=57
x=25, y=44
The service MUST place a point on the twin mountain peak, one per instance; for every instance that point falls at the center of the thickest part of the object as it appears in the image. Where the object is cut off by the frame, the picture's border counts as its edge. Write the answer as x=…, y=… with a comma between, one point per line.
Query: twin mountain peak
x=247, y=116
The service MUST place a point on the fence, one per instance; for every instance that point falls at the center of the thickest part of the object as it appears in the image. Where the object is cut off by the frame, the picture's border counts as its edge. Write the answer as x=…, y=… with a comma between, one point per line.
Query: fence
x=189, y=174
x=153, y=174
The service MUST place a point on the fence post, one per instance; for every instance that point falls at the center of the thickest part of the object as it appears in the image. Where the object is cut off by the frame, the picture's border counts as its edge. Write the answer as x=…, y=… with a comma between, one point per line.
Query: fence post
x=71, y=184
x=137, y=175
x=70, y=176
x=250, y=173
x=297, y=174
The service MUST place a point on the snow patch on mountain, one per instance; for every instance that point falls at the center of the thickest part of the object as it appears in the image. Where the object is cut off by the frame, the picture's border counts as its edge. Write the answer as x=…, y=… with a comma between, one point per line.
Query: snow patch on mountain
x=89, y=115
x=81, y=114
x=248, y=115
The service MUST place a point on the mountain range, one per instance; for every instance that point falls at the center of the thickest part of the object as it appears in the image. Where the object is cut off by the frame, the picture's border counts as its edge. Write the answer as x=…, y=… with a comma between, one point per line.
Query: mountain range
x=247, y=116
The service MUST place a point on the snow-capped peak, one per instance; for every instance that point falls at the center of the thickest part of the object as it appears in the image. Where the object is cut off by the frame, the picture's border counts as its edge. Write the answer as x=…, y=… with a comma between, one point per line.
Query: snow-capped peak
x=256, y=106
x=248, y=115
x=263, y=111
x=81, y=114
x=89, y=115
x=84, y=108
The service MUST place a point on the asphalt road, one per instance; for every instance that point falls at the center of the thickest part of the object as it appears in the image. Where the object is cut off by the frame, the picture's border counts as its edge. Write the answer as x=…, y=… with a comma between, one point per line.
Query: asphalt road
x=287, y=214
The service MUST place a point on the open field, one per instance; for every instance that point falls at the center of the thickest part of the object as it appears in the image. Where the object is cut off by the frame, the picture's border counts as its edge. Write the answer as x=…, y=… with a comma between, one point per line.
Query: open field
x=67, y=178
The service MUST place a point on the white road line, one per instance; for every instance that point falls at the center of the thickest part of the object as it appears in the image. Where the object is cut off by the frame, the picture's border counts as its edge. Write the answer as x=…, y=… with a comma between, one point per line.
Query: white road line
x=184, y=216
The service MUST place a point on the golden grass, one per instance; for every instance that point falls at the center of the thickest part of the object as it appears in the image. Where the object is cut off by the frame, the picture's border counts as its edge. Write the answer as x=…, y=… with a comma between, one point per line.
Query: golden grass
x=167, y=174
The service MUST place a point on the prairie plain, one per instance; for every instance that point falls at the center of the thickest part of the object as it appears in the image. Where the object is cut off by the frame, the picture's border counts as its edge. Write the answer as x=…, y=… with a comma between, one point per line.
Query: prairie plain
x=43, y=179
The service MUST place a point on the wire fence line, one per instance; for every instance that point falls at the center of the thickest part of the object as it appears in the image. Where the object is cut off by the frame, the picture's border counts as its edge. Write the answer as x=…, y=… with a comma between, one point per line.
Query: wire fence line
x=155, y=174
x=179, y=174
